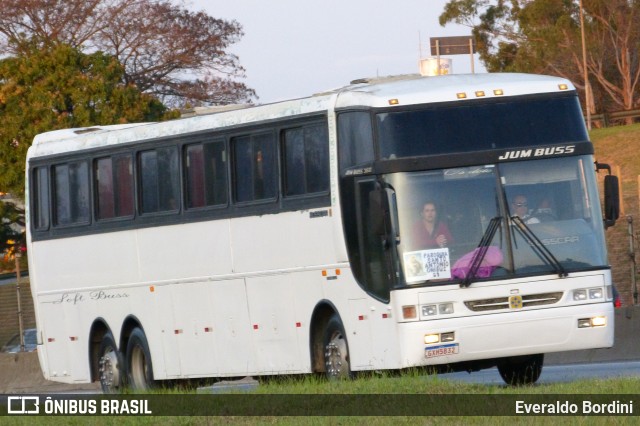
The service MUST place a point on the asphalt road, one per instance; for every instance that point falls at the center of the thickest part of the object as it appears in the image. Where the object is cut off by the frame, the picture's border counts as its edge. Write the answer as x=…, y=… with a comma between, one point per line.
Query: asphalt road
x=555, y=373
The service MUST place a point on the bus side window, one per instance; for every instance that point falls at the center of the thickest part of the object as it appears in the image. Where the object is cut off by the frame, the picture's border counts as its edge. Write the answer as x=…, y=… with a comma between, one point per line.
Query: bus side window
x=159, y=180
x=306, y=160
x=255, y=167
x=40, y=191
x=355, y=139
x=71, y=196
x=206, y=174
x=114, y=187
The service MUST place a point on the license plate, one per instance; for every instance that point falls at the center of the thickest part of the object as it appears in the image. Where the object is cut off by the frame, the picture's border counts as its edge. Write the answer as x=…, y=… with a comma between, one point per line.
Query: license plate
x=441, y=350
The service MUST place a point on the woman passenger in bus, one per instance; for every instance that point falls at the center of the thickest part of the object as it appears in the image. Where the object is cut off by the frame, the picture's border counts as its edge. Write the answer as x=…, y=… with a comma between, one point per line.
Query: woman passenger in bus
x=430, y=232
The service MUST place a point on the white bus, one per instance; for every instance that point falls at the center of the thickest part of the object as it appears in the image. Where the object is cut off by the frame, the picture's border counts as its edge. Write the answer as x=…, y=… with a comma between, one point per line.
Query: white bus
x=285, y=238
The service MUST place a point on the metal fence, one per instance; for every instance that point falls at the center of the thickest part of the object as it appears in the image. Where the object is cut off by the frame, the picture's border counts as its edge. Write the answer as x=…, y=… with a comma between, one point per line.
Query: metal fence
x=16, y=307
x=610, y=118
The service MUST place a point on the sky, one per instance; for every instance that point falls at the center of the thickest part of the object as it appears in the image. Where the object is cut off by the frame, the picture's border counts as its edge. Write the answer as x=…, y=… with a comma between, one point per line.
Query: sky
x=295, y=48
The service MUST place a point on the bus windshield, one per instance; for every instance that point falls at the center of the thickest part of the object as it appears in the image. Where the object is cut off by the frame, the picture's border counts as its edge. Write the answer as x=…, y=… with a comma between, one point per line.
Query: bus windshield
x=545, y=217
x=470, y=127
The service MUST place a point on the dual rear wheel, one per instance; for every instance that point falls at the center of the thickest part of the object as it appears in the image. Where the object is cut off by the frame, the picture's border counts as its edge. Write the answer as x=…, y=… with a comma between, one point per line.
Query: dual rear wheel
x=133, y=369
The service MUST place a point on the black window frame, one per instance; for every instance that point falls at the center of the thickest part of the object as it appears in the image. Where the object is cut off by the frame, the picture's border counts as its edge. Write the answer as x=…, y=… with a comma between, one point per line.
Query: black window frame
x=178, y=143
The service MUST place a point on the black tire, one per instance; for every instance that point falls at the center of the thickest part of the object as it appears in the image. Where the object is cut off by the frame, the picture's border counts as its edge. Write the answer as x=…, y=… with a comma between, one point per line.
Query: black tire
x=139, y=366
x=521, y=370
x=336, y=351
x=110, y=365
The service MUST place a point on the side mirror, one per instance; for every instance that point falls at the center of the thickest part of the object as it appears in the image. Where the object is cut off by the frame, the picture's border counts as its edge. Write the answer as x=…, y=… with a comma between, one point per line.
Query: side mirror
x=611, y=200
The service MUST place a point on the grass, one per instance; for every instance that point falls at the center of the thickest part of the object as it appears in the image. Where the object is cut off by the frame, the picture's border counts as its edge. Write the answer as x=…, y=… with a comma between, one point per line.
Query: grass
x=412, y=386
x=619, y=146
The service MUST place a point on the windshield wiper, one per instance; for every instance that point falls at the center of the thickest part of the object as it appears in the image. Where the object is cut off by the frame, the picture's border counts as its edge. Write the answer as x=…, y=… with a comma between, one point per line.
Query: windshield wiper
x=481, y=251
x=538, y=246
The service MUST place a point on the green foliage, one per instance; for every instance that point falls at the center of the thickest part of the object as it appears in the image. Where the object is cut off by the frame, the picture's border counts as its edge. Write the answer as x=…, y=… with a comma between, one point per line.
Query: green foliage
x=54, y=86
x=519, y=35
x=544, y=36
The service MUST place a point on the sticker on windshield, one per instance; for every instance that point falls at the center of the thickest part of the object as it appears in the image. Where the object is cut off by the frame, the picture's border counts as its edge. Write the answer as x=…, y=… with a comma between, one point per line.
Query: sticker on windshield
x=427, y=265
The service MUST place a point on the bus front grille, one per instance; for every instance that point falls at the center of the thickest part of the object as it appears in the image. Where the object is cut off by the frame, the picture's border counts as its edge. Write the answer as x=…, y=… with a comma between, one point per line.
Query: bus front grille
x=503, y=302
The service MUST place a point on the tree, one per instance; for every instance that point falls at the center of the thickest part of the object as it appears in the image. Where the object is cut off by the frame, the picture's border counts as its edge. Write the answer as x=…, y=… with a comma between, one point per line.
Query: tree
x=614, y=54
x=178, y=55
x=543, y=36
x=55, y=86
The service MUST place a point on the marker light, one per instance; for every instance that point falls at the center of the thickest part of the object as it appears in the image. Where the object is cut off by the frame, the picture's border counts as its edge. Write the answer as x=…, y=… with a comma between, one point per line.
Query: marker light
x=480, y=93
x=393, y=102
x=498, y=92
x=409, y=312
x=563, y=86
x=461, y=95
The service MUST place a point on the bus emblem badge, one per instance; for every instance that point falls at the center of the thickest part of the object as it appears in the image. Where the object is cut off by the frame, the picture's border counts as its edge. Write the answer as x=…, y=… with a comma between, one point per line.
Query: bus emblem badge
x=515, y=302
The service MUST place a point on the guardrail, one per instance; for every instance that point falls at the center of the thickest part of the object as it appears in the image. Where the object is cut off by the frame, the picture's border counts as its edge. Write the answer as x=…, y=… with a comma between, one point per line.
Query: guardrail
x=11, y=276
x=606, y=117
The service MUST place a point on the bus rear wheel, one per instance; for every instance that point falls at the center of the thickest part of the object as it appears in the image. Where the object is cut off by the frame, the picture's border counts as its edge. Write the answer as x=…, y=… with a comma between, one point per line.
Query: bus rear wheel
x=110, y=365
x=139, y=367
x=336, y=350
x=521, y=370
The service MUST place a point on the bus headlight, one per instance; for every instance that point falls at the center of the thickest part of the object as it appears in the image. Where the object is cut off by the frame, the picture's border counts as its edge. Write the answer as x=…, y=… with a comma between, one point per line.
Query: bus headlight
x=582, y=294
x=579, y=295
x=441, y=308
x=596, y=293
x=445, y=308
x=428, y=310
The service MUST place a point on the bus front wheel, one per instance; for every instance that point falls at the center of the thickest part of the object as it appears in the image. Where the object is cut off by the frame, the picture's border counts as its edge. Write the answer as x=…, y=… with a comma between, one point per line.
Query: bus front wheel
x=336, y=350
x=521, y=370
x=110, y=365
x=139, y=367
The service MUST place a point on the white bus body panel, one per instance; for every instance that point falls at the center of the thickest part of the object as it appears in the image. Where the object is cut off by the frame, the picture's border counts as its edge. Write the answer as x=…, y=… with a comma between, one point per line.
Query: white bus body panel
x=510, y=332
x=210, y=294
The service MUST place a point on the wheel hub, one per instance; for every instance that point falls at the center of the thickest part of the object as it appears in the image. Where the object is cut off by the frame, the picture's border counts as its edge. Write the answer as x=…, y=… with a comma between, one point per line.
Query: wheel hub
x=335, y=362
x=109, y=370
